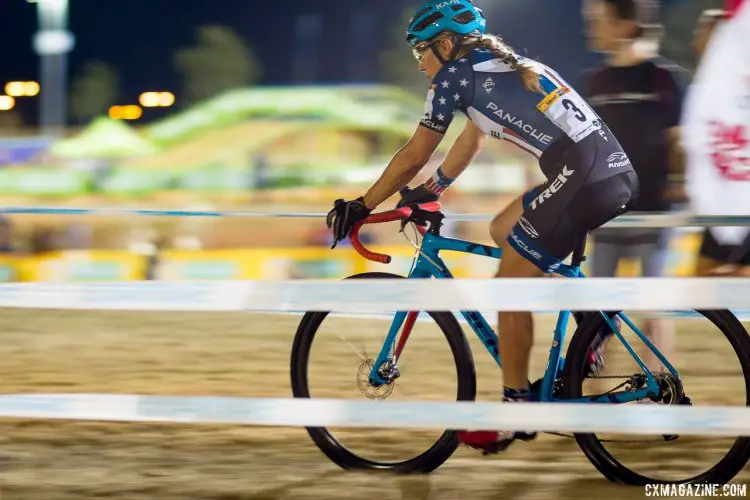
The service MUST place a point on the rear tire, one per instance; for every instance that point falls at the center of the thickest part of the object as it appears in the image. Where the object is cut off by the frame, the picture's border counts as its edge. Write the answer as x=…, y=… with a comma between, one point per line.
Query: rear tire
x=441, y=450
x=576, y=369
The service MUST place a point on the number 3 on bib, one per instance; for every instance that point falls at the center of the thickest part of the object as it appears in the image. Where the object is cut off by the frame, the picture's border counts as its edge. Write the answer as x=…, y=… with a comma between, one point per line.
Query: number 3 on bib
x=570, y=113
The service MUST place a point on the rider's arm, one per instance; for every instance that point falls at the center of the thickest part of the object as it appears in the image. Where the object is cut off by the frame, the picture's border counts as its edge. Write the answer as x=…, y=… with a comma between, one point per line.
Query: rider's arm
x=464, y=151
x=404, y=166
x=676, y=153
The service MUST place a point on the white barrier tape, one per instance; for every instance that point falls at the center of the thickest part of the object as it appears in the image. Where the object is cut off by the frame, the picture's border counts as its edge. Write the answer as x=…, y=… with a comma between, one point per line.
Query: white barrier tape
x=679, y=219
x=372, y=296
x=741, y=314
x=539, y=417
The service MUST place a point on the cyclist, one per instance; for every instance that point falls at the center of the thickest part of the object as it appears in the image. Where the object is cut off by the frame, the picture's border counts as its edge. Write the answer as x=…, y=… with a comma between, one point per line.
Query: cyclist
x=589, y=177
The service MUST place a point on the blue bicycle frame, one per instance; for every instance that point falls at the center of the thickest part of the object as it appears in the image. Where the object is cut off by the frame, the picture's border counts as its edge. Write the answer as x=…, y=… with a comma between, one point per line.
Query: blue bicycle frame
x=429, y=264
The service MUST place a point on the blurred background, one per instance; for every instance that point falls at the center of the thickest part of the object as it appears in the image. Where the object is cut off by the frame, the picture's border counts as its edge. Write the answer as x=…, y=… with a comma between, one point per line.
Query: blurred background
x=258, y=106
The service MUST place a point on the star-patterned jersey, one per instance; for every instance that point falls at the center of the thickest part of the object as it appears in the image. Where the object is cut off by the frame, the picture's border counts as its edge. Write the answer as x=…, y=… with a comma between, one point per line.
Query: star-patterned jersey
x=492, y=95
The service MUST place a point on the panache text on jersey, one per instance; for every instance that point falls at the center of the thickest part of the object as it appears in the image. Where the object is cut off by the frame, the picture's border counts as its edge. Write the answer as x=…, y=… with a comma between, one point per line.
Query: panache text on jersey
x=517, y=122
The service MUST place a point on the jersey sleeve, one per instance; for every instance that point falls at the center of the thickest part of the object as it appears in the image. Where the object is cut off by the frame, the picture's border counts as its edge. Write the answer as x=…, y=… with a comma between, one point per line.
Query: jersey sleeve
x=446, y=96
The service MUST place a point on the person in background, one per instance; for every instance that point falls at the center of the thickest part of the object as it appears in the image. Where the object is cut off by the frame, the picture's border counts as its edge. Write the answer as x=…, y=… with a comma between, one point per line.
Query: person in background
x=639, y=94
x=6, y=236
x=717, y=121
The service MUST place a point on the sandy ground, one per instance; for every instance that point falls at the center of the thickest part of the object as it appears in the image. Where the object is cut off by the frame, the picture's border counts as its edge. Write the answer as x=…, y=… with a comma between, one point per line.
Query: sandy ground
x=248, y=355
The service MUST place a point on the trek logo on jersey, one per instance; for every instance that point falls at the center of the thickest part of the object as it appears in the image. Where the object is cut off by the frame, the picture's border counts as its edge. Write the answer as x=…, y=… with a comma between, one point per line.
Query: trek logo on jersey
x=554, y=187
x=519, y=123
x=618, y=160
x=489, y=84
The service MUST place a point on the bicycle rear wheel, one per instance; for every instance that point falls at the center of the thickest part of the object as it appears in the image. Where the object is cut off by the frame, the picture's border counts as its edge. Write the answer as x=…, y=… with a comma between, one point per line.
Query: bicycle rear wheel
x=375, y=449
x=713, y=369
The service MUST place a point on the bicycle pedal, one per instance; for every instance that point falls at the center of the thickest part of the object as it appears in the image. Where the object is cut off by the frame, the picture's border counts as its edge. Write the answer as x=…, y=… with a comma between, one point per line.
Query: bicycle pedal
x=525, y=436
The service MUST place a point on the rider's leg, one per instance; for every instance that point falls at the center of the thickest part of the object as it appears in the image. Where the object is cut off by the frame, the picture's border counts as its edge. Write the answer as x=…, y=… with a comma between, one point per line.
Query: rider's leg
x=503, y=223
x=516, y=343
x=517, y=329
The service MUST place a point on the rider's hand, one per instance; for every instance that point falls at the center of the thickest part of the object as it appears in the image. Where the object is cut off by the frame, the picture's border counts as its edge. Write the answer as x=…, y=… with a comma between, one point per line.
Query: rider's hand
x=418, y=195
x=343, y=217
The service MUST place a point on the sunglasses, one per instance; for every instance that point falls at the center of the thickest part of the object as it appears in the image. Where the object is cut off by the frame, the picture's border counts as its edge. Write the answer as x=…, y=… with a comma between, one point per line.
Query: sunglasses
x=419, y=50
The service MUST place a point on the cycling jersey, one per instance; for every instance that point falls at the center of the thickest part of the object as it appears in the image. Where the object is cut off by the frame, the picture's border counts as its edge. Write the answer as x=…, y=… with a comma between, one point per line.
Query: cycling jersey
x=589, y=177
x=491, y=94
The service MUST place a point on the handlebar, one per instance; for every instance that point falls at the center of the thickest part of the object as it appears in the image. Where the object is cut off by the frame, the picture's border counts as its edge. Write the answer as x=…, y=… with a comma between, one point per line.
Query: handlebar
x=390, y=216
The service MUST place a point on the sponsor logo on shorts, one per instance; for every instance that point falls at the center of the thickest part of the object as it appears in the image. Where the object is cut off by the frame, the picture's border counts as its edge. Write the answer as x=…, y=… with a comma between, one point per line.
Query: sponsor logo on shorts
x=525, y=247
x=618, y=160
x=526, y=226
x=433, y=126
x=554, y=187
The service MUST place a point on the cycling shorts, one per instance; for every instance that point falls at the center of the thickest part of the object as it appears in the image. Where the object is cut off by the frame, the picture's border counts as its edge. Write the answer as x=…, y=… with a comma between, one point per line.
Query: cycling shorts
x=588, y=184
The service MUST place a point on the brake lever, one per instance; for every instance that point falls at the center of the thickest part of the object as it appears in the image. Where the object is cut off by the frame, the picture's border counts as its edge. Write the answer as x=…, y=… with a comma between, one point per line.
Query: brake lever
x=412, y=218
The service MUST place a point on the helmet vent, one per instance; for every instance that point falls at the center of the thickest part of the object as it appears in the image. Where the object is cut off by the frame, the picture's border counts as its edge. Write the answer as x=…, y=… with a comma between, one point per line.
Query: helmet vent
x=431, y=19
x=421, y=13
x=465, y=18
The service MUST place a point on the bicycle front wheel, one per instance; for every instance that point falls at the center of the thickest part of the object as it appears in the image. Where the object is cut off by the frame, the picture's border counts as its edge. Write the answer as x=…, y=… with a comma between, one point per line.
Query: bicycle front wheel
x=332, y=357
x=711, y=354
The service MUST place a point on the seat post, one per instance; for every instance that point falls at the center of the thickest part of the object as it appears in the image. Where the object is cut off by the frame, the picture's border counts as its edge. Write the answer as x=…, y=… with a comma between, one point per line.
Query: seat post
x=579, y=256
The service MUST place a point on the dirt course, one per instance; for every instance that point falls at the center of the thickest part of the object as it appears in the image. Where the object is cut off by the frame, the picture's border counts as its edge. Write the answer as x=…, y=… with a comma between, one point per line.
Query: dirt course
x=248, y=355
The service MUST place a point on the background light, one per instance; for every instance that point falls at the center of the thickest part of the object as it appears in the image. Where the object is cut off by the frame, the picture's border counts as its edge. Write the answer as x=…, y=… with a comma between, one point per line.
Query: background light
x=128, y=112
x=166, y=99
x=7, y=103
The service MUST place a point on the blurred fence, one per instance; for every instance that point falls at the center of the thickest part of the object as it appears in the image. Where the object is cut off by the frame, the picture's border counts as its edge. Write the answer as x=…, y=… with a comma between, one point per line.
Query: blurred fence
x=270, y=263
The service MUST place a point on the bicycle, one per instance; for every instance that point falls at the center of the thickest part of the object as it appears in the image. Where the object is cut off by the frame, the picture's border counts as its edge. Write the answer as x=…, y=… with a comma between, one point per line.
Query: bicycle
x=563, y=379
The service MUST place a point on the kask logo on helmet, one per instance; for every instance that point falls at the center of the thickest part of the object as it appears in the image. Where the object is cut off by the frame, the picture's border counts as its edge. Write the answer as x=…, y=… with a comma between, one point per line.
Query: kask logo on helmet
x=448, y=4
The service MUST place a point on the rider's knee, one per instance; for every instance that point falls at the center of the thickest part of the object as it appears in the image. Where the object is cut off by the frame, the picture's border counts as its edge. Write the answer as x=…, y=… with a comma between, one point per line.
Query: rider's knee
x=514, y=265
x=500, y=230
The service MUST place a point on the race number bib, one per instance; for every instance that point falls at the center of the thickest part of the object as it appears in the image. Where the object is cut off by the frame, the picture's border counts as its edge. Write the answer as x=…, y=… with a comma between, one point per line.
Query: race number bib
x=570, y=113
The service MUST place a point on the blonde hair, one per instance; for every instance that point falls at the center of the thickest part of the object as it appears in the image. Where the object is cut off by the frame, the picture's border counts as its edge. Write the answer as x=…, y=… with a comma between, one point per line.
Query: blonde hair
x=498, y=48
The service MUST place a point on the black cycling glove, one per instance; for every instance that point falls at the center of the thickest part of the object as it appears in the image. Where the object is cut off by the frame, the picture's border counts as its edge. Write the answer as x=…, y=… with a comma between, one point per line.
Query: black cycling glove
x=418, y=195
x=344, y=215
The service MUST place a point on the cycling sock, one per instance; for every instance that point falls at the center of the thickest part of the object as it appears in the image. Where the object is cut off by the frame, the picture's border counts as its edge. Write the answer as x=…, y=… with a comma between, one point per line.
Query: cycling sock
x=516, y=394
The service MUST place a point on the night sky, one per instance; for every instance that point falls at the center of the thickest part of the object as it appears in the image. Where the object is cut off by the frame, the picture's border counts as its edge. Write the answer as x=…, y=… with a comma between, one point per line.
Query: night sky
x=138, y=37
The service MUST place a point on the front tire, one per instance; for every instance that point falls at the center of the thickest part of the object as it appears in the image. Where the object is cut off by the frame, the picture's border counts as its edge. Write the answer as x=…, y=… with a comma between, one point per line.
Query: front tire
x=427, y=461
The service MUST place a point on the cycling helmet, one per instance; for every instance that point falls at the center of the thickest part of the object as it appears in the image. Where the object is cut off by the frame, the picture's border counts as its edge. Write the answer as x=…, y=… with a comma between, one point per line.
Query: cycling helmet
x=435, y=16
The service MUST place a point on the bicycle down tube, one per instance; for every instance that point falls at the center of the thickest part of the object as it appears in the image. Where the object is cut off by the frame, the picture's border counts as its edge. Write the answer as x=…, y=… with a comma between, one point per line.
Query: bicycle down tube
x=428, y=264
